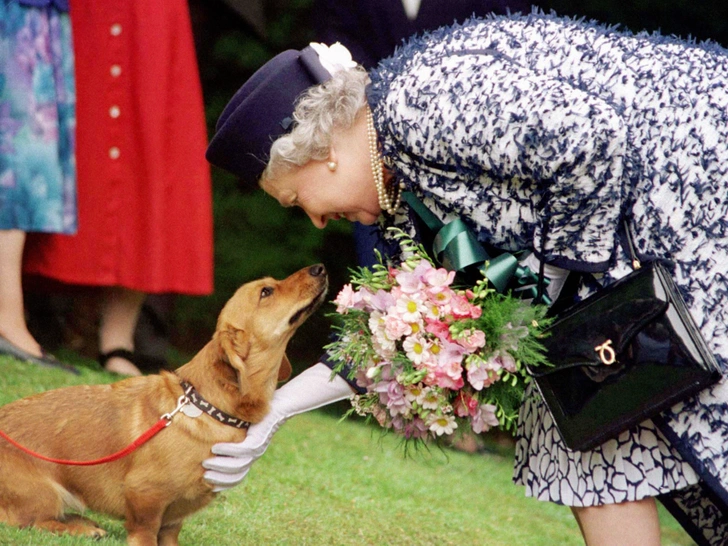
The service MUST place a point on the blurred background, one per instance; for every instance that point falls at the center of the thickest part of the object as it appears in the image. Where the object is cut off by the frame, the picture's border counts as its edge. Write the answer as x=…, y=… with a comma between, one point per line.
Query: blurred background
x=256, y=237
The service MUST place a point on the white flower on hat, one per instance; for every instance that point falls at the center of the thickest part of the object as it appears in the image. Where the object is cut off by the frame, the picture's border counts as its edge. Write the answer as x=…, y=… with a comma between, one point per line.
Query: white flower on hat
x=334, y=57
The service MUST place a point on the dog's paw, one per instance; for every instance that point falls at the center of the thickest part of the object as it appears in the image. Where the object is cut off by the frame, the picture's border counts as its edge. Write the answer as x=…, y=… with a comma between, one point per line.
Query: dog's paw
x=81, y=526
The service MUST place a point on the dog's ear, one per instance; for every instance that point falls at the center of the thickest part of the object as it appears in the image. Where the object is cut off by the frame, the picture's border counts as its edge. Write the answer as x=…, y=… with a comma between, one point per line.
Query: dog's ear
x=234, y=347
x=284, y=372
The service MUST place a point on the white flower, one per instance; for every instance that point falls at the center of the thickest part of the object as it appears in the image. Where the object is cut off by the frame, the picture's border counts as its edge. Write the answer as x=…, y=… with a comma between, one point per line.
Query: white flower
x=416, y=348
x=334, y=57
x=442, y=424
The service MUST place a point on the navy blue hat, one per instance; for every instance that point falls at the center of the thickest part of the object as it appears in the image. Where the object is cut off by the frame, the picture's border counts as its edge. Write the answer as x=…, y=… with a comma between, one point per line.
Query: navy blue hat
x=261, y=111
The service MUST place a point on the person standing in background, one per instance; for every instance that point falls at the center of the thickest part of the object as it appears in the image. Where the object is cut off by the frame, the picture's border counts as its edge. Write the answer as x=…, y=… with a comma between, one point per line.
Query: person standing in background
x=37, y=171
x=145, y=212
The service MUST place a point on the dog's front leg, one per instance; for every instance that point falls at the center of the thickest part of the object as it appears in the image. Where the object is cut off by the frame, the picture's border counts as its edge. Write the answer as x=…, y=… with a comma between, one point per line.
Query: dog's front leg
x=169, y=535
x=143, y=518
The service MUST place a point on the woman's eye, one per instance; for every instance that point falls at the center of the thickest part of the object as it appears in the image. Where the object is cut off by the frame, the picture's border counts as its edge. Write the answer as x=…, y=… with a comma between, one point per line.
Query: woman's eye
x=266, y=291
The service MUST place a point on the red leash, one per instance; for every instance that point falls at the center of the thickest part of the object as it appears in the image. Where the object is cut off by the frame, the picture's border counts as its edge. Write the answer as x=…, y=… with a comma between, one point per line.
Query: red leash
x=118, y=455
x=163, y=422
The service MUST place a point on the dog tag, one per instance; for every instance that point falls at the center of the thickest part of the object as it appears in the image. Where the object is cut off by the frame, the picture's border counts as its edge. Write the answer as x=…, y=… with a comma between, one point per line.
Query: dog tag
x=191, y=411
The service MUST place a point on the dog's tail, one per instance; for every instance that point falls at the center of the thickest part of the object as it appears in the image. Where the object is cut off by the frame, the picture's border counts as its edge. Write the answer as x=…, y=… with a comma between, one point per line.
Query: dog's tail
x=70, y=501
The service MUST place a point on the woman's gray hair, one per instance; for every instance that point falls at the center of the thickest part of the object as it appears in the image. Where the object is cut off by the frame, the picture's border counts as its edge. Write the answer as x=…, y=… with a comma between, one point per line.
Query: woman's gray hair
x=332, y=105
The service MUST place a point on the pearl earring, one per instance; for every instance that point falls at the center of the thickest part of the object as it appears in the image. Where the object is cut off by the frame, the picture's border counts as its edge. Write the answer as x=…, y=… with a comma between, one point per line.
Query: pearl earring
x=332, y=165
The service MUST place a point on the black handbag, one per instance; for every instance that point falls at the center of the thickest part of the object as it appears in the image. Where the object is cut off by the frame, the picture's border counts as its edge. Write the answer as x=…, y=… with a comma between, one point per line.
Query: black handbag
x=622, y=355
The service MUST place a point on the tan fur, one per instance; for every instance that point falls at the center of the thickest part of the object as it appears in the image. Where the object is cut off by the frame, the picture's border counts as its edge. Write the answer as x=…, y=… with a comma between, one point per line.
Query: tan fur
x=161, y=483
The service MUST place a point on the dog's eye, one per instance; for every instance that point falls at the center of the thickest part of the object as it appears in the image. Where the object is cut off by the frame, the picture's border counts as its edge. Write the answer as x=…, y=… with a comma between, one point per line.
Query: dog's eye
x=265, y=292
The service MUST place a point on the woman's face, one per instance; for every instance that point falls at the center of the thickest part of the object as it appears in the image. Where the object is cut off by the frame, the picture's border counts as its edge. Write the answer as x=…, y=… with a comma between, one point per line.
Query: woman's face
x=347, y=192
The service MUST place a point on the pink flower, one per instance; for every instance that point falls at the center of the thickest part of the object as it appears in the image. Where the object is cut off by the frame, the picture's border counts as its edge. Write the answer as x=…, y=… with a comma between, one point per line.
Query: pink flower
x=397, y=402
x=437, y=328
x=472, y=340
x=449, y=376
x=412, y=282
x=440, y=297
x=502, y=360
x=438, y=278
x=347, y=298
x=484, y=418
x=395, y=327
x=480, y=375
x=415, y=429
x=461, y=307
x=450, y=352
x=381, y=301
x=508, y=362
x=465, y=405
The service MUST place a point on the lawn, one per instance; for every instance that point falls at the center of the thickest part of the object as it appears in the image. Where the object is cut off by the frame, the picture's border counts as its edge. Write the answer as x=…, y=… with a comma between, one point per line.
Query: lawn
x=325, y=481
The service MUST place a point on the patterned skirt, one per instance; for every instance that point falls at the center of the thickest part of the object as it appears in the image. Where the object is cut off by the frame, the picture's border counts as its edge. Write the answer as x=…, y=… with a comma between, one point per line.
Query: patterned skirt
x=37, y=120
x=639, y=463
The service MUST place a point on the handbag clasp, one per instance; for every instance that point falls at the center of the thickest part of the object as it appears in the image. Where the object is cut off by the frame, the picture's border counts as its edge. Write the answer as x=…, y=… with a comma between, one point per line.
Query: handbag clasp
x=606, y=352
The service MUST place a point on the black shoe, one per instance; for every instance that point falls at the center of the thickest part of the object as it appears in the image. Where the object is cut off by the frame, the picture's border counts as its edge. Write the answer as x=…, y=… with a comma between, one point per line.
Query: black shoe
x=45, y=359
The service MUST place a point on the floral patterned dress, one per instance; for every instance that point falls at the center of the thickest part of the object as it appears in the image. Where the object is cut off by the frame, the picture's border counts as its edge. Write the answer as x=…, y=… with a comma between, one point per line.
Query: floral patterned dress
x=37, y=119
x=509, y=121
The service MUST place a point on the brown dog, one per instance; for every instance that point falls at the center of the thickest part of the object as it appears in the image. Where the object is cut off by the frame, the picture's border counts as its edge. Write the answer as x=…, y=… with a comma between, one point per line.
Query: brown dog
x=161, y=483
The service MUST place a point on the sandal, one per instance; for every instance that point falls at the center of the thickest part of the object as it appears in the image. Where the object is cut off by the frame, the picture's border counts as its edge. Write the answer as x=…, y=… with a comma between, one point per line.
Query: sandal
x=126, y=354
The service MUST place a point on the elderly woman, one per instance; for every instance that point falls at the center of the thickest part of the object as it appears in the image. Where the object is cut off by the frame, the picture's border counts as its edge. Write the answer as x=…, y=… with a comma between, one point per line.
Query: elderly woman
x=511, y=123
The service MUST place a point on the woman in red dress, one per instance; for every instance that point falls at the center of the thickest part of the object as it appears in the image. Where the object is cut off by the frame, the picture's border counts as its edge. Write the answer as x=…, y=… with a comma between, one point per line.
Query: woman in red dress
x=144, y=190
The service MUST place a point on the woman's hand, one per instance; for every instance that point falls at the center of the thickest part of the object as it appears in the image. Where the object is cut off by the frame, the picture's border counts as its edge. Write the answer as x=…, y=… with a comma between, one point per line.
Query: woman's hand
x=309, y=390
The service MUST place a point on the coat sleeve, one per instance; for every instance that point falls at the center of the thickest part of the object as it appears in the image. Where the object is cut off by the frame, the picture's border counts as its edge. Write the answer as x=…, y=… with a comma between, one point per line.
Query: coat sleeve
x=479, y=116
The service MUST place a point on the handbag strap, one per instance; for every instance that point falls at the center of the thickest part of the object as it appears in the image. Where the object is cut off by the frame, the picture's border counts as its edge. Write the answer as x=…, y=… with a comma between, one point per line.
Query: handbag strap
x=636, y=264
x=541, y=284
x=634, y=260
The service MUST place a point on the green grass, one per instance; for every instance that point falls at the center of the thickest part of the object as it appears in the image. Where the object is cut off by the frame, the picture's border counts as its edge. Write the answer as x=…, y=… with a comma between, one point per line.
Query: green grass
x=329, y=482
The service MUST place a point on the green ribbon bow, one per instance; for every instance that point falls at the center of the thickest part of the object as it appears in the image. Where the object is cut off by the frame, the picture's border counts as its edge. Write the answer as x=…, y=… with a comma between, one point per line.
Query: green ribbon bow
x=456, y=247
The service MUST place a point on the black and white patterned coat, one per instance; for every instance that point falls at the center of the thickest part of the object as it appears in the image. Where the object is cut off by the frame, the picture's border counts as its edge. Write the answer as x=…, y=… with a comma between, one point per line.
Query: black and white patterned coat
x=509, y=121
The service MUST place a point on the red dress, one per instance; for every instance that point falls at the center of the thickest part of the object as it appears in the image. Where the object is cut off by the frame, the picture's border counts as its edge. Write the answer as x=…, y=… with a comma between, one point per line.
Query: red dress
x=144, y=189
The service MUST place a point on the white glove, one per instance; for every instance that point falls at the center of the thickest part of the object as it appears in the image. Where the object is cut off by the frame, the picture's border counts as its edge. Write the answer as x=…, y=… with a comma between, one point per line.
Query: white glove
x=556, y=275
x=309, y=390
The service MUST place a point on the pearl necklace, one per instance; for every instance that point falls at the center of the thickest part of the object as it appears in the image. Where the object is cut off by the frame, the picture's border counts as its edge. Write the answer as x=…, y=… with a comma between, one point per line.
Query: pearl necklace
x=387, y=202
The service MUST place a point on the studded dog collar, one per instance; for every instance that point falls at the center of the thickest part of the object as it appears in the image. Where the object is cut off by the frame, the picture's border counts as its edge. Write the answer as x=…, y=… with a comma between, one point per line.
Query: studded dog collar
x=198, y=401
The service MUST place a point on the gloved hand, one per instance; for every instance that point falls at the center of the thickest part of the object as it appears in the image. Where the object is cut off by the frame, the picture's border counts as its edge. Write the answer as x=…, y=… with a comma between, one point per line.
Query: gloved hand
x=309, y=390
x=556, y=275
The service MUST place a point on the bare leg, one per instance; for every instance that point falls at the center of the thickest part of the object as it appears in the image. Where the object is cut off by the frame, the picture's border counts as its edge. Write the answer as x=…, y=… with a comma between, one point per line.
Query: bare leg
x=625, y=524
x=119, y=315
x=12, y=312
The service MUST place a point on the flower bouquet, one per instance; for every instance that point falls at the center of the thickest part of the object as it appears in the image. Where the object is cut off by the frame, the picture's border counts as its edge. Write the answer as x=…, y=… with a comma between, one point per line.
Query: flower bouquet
x=434, y=358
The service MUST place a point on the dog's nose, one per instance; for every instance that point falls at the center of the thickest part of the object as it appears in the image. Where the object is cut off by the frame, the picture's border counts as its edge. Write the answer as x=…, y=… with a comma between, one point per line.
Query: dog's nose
x=317, y=270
